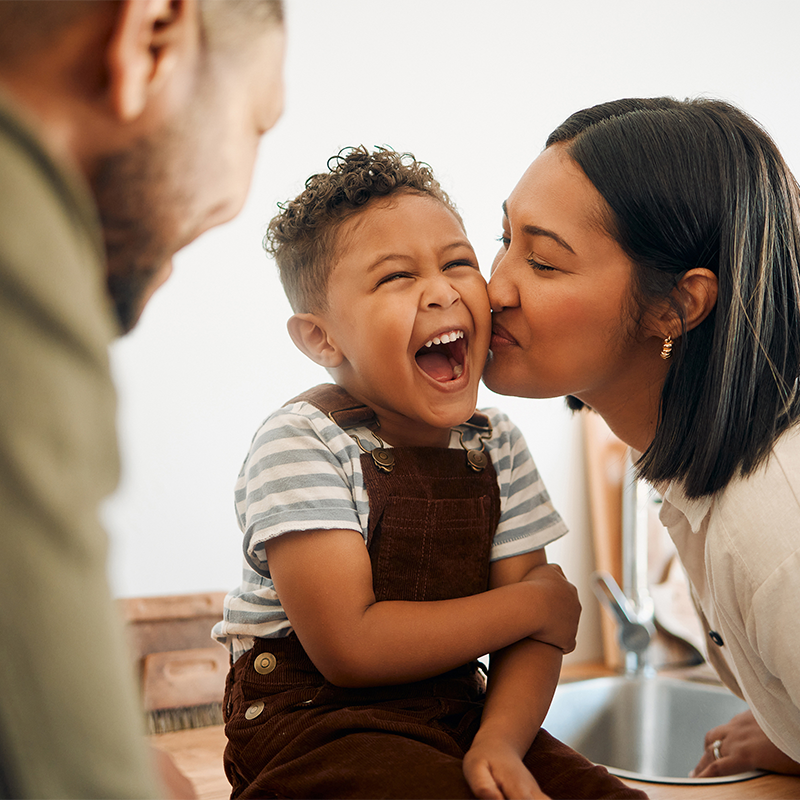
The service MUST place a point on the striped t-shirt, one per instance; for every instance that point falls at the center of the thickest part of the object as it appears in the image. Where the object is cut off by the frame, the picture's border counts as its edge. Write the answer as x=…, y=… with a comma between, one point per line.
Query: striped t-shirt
x=303, y=472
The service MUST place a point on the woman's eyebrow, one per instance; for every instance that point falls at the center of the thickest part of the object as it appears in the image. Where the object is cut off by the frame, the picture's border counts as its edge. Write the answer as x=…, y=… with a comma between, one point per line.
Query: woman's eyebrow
x=535, y=230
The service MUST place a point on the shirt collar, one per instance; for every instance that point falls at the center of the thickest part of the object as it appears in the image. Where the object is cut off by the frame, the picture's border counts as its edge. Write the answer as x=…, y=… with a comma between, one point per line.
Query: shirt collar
x=695, y=510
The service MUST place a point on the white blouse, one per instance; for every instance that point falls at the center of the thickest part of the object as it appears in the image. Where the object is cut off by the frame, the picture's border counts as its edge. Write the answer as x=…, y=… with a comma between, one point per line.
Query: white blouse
x=741, y=551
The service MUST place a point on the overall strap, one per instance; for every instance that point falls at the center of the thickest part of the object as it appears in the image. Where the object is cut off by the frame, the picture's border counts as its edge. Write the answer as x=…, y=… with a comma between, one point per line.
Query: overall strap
x=336, y=403
x=347, y=412
x=480, y=421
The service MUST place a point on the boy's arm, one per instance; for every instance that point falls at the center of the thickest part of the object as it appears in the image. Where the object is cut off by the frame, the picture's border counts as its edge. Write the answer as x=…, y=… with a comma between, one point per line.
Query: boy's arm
x=522, y=679
x=324, y=581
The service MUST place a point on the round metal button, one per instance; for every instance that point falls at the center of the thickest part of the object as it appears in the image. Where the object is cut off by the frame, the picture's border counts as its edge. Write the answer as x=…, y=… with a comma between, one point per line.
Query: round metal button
x=254, y=710
x=477, y=459
x=716, y=638
x=384, y=459
x=265, y=663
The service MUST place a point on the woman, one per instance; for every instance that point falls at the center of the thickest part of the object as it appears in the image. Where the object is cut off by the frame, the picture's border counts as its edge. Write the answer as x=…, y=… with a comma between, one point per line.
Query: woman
x=650, y=270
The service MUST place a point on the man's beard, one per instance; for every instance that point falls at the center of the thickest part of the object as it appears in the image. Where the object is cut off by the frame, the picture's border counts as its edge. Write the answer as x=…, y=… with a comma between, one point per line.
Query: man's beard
x=127, y=294
x=136, y=207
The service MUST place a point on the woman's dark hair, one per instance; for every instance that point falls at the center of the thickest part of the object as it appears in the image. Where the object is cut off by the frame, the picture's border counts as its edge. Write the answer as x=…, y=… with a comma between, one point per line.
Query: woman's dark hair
x=303, y=236
x=698, y=183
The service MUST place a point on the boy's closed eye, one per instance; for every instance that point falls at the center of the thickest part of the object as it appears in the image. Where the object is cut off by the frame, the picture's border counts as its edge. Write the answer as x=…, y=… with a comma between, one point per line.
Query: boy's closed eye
x=469, y=263
x=394, y=276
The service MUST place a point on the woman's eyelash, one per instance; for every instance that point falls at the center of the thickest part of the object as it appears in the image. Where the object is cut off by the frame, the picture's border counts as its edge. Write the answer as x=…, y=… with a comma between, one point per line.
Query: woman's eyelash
x=506, y=241
x=537, y=265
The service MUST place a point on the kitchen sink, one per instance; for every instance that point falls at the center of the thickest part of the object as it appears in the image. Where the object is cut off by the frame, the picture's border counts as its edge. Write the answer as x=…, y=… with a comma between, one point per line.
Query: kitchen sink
x=643, y=728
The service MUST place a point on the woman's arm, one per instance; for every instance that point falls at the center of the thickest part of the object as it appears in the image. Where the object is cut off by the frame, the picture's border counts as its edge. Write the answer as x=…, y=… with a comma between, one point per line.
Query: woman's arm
x=324, y=581
x=522, y=679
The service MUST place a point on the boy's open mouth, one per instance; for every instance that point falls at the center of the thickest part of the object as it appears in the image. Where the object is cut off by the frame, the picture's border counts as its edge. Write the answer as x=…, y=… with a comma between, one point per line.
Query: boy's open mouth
x=443, y=356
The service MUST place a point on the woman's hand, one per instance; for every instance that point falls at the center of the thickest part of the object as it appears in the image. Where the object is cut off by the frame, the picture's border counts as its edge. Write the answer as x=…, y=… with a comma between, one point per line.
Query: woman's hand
x=742, y=746
x=494, y=771
x=564, y=607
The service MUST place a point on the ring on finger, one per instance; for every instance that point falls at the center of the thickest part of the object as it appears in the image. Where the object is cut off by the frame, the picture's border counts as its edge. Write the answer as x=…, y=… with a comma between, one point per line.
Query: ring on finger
x=715, y=745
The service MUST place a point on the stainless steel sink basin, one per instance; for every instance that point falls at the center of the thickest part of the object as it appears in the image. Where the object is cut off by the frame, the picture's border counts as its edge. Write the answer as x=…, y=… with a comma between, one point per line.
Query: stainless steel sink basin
x=647, y=729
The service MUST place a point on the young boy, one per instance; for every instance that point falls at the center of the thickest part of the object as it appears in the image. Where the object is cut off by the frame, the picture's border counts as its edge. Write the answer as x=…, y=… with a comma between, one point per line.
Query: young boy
x=391, y=534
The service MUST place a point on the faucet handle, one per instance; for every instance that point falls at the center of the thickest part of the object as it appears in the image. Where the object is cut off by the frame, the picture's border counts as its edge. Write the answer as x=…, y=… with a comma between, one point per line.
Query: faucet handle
x=634, y=633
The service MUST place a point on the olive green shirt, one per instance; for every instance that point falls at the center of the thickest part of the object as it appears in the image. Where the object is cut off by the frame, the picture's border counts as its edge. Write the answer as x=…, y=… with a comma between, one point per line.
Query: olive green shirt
x=70, y=719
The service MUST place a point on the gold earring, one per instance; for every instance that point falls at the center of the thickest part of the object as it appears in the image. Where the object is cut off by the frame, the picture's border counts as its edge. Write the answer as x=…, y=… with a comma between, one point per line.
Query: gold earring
x=666, y=349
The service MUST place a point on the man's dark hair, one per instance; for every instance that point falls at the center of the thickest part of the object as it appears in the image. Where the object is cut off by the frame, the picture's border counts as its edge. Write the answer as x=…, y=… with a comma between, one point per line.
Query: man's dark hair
x=27, y=26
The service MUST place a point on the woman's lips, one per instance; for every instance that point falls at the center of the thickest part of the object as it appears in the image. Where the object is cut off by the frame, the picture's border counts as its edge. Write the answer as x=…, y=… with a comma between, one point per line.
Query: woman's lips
x=501, y=337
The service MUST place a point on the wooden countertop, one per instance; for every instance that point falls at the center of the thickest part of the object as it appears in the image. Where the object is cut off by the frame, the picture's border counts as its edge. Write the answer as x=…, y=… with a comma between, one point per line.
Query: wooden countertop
x=198, y=753
x=767, y=787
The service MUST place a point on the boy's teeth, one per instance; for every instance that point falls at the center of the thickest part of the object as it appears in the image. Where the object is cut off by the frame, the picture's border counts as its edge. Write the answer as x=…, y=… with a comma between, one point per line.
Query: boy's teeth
x=458, y=370
x=445, y=338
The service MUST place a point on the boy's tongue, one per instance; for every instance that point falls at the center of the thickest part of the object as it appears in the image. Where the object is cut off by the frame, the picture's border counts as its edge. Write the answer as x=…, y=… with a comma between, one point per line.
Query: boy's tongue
x=437, y=365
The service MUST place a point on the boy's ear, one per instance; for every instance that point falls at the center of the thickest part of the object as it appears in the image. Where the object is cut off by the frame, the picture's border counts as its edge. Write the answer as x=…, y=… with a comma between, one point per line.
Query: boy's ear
x=696, y=294
x=149, y=39
x=310, y=335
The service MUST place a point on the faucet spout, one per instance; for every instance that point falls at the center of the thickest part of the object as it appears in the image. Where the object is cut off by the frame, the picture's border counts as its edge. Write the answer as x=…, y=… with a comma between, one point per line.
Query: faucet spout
x=632, y=605
x=635, y=632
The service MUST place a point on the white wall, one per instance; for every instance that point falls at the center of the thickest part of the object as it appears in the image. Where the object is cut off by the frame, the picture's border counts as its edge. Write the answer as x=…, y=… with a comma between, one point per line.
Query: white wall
x=473, y=87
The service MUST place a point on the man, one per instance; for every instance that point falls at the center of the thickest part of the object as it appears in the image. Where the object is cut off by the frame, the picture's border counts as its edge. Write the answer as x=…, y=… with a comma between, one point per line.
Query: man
x=126, y=129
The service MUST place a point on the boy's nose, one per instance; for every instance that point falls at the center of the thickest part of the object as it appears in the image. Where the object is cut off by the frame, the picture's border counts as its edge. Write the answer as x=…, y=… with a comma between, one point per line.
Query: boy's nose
x=503, y=291
x=440, y=293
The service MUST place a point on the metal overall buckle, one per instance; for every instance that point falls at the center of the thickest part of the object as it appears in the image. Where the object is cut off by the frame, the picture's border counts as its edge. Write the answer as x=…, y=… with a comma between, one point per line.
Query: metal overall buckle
x=381, y=455
x=477, y=460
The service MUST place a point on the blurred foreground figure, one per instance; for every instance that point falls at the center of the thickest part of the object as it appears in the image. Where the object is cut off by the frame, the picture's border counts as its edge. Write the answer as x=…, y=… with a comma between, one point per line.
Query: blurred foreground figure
x=126, y=130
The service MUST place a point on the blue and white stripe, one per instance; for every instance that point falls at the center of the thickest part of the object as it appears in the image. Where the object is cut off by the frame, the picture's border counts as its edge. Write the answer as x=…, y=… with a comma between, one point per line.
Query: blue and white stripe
x=303, y=472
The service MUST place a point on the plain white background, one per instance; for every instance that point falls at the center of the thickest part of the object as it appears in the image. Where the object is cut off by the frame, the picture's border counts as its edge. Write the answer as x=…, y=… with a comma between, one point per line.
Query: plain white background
x=472, y=87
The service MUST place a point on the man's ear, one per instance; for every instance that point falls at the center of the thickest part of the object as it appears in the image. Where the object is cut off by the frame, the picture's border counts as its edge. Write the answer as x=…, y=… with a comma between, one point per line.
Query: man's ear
x=696, y=294
x=148, y=39
x=310, y=335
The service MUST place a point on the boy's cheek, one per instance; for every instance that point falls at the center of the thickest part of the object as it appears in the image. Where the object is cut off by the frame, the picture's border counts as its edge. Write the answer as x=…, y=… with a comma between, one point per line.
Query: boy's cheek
x=484, y=314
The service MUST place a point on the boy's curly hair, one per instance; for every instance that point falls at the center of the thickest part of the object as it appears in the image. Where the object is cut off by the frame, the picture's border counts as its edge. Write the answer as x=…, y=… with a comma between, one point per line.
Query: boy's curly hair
x=302, y=237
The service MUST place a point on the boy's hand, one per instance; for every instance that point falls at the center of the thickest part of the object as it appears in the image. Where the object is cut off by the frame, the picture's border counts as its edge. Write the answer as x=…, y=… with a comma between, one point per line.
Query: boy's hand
x=494, y=771
x=563, y=607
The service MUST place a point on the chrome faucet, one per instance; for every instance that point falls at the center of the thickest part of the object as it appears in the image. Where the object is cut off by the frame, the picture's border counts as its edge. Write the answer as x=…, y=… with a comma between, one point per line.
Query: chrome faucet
x=632, y=605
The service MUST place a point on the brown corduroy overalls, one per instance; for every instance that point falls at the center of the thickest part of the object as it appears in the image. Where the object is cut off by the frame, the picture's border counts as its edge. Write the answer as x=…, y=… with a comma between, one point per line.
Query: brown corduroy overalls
x=292, y=734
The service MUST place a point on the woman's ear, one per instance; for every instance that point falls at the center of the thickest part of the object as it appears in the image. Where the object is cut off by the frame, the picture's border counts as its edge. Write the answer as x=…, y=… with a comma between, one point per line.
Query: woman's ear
x=149, y=39
x=696, y=294
x=309, y=333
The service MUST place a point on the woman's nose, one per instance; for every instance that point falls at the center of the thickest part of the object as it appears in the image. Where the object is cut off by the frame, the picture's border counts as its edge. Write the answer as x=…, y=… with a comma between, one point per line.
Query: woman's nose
x=503, y=292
